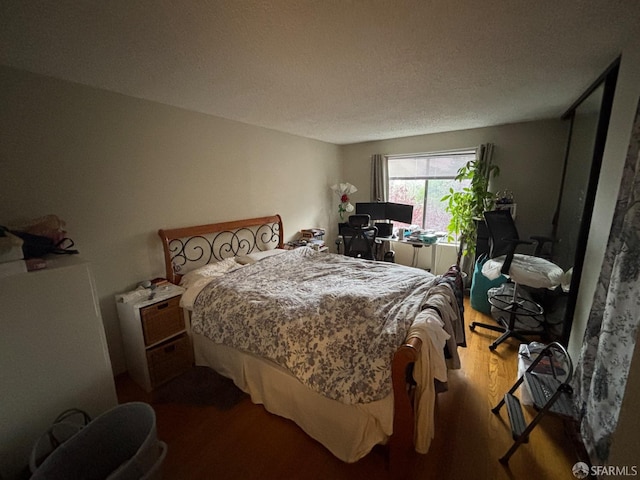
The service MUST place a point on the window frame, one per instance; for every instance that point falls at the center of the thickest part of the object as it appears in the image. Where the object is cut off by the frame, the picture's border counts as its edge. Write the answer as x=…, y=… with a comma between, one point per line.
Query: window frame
x=470, y=152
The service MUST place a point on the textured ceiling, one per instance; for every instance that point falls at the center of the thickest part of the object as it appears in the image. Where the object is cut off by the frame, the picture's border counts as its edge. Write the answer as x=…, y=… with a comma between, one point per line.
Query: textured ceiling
x=342, y=71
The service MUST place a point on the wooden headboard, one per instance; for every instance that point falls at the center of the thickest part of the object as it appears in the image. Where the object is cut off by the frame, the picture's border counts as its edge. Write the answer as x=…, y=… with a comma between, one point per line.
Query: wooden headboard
x=188, y=248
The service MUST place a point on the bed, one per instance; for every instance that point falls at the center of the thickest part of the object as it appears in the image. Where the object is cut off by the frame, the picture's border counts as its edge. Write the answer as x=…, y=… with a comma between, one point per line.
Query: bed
x=322, y=339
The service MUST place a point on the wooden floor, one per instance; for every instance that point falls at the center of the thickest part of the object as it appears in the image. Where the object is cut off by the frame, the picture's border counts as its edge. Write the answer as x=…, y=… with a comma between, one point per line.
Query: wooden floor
x=246, y=442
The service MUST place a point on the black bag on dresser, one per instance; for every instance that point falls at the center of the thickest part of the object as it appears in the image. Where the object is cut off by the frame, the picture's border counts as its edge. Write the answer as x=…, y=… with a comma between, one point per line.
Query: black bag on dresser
x=36, y=246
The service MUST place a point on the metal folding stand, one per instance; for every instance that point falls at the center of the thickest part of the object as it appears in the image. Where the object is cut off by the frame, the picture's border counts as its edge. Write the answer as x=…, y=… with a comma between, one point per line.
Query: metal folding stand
x=551, y=392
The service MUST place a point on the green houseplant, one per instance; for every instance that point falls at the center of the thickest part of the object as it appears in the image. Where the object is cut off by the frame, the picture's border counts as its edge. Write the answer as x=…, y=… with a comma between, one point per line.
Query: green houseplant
x=466, y=206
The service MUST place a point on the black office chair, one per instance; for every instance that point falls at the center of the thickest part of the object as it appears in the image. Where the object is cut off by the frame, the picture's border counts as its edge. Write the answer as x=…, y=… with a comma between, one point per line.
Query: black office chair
x=359, y=237
x=529, y=270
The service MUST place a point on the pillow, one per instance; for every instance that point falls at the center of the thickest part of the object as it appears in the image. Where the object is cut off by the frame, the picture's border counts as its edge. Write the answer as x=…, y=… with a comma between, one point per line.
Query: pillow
x=199, y=278
x=209, y=271
x=257, y=256
x=531, y=271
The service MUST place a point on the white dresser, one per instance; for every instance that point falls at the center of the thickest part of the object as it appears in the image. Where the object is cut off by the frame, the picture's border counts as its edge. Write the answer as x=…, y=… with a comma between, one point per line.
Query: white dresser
x=53, y=355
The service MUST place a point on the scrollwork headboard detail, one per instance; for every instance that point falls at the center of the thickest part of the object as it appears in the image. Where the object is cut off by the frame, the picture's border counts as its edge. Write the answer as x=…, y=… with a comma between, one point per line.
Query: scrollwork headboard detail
x=188, y=248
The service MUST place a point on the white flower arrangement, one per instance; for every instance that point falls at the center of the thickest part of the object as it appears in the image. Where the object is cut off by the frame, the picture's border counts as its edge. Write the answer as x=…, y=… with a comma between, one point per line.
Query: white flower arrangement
x=343, y=190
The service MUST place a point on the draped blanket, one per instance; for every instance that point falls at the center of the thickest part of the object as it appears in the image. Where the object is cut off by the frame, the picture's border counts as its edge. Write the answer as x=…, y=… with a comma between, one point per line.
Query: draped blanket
x=613, y=324
x=333, y=321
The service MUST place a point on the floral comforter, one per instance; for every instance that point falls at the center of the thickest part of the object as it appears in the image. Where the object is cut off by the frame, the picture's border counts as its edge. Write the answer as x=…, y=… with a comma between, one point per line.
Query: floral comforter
x=333, y=321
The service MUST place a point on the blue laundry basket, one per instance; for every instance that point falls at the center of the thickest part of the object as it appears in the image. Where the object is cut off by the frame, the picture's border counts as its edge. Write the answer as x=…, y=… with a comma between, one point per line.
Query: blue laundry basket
x=480, y=286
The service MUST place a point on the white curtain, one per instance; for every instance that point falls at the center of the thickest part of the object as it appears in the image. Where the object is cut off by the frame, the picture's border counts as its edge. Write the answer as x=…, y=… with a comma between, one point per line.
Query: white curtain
x=612, y=326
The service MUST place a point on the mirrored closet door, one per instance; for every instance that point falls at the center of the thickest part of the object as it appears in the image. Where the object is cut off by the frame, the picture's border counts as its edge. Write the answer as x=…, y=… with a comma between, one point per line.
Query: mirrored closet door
x=589, y=117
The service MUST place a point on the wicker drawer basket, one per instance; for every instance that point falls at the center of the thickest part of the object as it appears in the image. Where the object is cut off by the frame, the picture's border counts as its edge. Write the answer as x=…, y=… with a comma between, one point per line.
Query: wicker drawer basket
x=169, y=359
x=161, y=320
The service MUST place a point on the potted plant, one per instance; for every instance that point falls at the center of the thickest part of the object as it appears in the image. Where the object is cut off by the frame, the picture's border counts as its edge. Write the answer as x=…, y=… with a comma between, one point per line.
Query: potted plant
x=467, y=205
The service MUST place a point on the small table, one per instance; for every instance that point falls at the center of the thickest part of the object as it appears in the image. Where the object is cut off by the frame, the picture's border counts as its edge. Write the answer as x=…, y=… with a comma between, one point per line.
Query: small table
x=417, y=245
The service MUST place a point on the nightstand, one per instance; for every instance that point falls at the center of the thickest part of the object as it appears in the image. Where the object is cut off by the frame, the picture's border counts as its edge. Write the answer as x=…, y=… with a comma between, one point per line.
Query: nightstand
x=156, y=344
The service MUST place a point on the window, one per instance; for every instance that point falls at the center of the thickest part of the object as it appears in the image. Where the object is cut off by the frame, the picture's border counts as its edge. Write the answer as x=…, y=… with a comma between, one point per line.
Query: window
x=422, y=180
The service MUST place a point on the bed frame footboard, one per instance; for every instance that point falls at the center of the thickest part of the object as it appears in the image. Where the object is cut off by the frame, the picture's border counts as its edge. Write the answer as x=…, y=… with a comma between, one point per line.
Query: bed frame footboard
x=401, y=450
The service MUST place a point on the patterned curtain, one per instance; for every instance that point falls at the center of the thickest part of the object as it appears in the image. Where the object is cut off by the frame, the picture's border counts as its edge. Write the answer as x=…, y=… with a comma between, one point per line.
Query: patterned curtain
x=612, y=326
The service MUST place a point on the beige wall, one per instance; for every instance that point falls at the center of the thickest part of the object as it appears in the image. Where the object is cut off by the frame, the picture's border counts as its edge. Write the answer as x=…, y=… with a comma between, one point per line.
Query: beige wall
x=530, y=156
x=117, y=169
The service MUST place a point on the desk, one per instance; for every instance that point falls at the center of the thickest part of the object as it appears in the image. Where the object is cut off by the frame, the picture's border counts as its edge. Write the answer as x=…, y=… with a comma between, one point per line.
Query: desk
x=416, y=249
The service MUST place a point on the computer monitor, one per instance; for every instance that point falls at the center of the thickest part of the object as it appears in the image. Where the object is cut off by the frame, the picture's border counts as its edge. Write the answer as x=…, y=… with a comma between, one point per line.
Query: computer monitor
x=376, y=210
x=399, y=212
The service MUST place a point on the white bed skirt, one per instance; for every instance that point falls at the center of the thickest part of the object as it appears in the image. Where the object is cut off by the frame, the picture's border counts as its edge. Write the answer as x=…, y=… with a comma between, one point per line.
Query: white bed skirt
x=347, y=431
